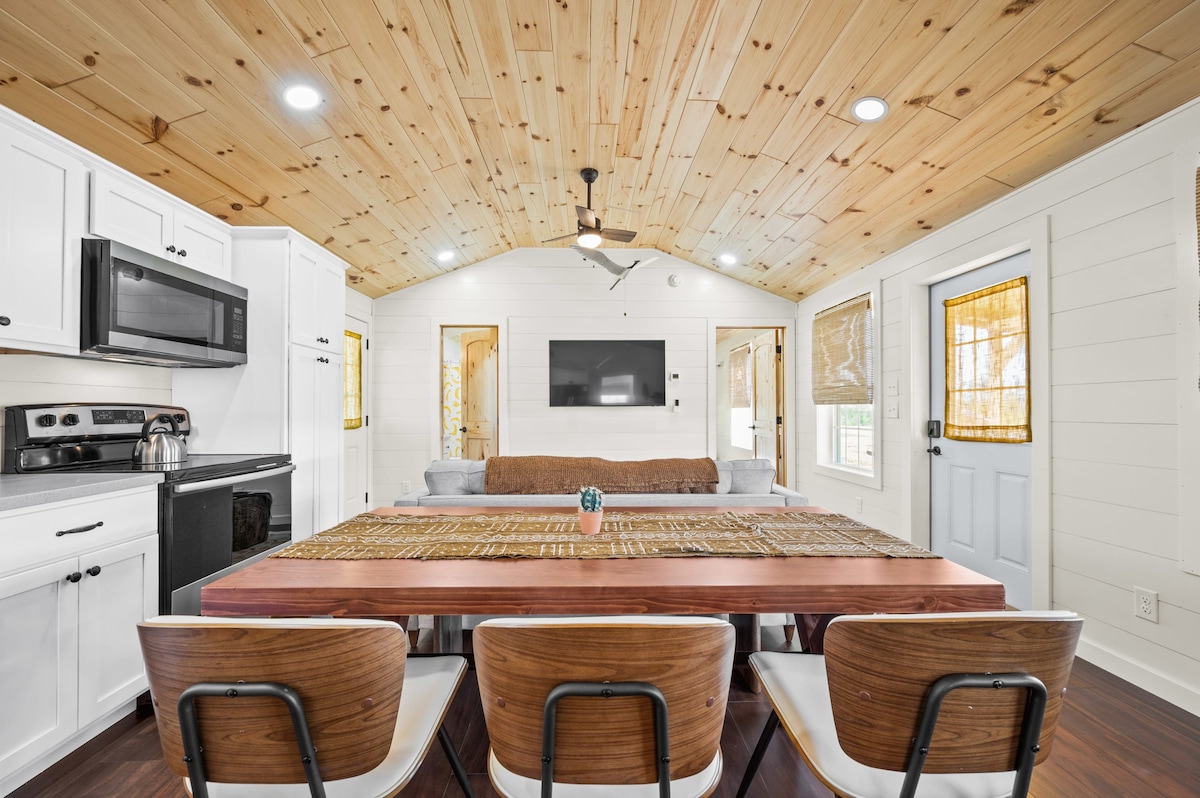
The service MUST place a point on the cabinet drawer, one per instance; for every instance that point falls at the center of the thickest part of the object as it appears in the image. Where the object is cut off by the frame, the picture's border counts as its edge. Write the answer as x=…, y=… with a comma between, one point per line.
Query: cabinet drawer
x=29, y=536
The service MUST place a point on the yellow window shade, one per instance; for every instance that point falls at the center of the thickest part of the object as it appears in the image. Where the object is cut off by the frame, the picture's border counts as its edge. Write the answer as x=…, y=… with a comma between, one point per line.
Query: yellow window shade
x=739, y=370
x=843, y=354
x=352, y=416
x=987, y=364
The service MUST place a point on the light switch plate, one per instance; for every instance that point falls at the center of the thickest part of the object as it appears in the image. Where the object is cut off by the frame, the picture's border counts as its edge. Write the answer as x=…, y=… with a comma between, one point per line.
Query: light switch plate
x=892, y=410
x=892, y=388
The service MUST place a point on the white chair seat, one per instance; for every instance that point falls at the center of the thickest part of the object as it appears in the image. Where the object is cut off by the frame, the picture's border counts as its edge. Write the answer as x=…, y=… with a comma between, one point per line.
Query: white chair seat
x=799, y=691
x=512, y=785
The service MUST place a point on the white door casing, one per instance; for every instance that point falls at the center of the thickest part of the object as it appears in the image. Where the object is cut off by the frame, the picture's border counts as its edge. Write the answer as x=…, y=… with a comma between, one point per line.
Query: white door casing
x=980, y=493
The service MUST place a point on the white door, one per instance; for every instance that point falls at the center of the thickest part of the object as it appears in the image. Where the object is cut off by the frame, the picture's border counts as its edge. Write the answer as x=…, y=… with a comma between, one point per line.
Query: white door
x=764, y=402
x=354, y=440
x=980, y=493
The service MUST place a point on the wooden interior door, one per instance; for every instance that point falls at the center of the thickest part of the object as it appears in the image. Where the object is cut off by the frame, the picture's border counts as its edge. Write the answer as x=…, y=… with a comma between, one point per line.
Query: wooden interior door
x=479, y=380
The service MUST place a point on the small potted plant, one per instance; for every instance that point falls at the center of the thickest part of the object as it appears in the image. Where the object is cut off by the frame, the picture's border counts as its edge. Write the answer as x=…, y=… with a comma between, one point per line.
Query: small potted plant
x=591, y=509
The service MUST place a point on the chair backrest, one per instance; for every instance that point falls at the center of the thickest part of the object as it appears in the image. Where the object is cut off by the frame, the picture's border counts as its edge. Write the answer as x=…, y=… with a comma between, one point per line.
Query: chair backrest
x=348, y=673
x=604, y=741
x=880, y=668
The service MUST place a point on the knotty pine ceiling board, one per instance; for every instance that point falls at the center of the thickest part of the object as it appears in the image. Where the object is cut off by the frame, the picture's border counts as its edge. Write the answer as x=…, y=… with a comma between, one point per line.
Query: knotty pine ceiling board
x=717, y=126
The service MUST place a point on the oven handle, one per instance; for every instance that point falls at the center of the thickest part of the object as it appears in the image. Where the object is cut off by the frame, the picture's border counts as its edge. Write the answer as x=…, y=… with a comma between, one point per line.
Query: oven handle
x=209, y=484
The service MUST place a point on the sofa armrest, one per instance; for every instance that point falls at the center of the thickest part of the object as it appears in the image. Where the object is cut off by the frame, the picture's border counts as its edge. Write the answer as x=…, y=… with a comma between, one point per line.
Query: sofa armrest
x=791, y=498
x=412, y=498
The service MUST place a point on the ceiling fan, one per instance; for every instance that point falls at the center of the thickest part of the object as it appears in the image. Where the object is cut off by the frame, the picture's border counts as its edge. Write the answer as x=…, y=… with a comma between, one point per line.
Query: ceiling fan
x=589, y=231
x=599, y=257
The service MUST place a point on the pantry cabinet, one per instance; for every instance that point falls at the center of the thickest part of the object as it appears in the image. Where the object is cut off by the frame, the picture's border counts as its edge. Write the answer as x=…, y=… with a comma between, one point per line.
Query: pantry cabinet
x=43, y=216
x=77, y=578
x=139, y=216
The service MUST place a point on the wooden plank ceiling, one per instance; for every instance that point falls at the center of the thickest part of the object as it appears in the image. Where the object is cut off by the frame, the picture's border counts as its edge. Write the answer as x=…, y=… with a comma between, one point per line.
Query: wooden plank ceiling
x=718, y=126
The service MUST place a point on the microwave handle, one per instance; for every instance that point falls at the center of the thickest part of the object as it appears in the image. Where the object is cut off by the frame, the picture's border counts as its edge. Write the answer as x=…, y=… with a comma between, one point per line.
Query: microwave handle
x=209, y=484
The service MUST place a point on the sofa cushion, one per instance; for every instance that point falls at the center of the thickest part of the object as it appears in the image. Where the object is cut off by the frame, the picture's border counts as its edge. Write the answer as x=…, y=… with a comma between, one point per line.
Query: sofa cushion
x=724, y=476
x=455, y=477
x=750, y=476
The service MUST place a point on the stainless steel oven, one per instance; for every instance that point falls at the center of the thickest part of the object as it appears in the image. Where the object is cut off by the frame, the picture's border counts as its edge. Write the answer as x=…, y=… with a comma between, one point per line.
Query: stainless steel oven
x=216, y=512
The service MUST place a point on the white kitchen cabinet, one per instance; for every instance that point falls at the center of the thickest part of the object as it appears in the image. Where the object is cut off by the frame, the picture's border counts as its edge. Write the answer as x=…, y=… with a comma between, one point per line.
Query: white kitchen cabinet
x=316, y=384
x=138, y=216
x=286, y=398
x=314, y=277
x=69, y=606
x=43, y=217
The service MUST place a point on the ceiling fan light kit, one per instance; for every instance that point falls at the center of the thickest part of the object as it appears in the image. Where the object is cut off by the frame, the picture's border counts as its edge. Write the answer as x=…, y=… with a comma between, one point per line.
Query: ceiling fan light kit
x=590, y=239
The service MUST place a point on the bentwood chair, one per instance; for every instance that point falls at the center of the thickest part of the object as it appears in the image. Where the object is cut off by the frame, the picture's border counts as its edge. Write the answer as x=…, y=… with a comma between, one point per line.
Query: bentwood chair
x=962, y=703
x=276, y=708
x=602, y=707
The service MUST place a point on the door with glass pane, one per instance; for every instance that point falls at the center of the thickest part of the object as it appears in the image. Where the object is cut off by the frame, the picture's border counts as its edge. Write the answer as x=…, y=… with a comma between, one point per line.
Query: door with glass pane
x=980, y=496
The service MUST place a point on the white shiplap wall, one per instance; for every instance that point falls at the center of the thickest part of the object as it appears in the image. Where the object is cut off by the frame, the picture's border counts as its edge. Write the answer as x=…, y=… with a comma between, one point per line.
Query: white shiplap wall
x=34, y=379
x=1107, y=246
x=534, y=295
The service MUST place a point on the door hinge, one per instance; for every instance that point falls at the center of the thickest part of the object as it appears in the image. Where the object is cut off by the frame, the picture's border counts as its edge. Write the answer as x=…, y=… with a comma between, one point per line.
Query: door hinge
x=779, y=420
x=366, y=343
x=366, y=421
x=367, y=498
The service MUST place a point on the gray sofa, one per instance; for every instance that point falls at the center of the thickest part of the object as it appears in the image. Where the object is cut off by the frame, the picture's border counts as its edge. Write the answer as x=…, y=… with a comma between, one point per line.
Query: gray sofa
x=742, y=483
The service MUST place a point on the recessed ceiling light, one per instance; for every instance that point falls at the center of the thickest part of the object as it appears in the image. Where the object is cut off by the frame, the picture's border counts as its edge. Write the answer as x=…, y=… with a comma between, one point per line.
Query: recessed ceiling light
x=869, y=109
x=728, y=259
x=303, y=97
x=445, y=256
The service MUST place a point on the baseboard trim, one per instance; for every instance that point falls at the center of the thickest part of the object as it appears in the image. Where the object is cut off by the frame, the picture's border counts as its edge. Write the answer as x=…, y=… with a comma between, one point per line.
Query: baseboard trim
x=1152, y=681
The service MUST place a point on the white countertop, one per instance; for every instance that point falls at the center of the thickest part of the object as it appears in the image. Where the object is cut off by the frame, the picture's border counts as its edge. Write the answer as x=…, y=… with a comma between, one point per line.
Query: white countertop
x=26, y=490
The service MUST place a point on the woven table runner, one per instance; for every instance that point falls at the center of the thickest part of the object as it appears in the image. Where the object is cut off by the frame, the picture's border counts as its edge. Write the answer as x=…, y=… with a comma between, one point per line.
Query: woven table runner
x=622, y=535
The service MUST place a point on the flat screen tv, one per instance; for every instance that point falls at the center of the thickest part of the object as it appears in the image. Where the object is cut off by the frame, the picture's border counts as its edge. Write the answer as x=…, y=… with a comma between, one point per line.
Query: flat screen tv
x=608, y=373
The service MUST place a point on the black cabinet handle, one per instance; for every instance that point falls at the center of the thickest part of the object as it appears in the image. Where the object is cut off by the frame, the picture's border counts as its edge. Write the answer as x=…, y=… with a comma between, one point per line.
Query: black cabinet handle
x=322, y=360
x=322, y=340
x=183, y=253
x=75, y=577
x=5, y=321
x=171, y=248
x=78, y=529
x=94, y=570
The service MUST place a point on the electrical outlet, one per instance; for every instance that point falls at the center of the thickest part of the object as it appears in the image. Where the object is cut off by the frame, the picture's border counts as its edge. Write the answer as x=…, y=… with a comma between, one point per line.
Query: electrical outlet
x=1145, y=604
x=406, y=486
x=858, y=504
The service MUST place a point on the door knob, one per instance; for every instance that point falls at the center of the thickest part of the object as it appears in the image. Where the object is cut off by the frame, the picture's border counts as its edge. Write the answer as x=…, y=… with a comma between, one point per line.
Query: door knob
x=462, y=429
x=937, y=450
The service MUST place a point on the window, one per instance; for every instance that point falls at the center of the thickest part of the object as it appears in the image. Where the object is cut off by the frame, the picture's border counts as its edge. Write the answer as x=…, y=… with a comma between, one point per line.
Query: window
x=352, y=414
x=741, y=415
x=843, y=389
x=987, y=365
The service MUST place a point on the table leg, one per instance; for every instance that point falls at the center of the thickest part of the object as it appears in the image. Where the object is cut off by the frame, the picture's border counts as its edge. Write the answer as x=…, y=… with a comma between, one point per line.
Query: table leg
x=447, y=634
x=746, y=640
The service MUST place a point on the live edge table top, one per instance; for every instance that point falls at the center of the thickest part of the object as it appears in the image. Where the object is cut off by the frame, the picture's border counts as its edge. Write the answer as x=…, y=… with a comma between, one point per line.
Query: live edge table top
x=672, y=585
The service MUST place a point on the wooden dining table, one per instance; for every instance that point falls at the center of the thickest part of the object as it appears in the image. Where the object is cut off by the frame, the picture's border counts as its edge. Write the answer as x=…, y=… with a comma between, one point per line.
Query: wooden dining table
x=691, y=585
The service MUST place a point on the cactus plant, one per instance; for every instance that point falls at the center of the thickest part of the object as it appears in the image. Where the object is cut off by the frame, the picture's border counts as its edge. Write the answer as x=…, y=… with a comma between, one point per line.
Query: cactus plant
x=591, y=499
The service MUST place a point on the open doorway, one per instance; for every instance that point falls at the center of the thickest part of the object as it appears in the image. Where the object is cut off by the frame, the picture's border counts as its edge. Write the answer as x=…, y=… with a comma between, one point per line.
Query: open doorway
x=470, y=369
x=750, y=401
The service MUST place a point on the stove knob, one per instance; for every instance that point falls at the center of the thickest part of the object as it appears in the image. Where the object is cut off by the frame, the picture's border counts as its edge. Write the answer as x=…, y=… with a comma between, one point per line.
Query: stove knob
x=47, y=420
x=70, y=419
x=179, y=418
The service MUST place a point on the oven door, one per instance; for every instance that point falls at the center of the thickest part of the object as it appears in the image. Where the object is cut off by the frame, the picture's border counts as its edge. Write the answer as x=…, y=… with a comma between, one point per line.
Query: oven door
x=201, y=523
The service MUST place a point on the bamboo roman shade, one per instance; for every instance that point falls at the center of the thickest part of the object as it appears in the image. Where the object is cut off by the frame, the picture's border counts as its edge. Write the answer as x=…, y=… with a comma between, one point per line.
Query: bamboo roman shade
x=352, y=415
x=843, y=354
x=739, y=377
x=987, y=364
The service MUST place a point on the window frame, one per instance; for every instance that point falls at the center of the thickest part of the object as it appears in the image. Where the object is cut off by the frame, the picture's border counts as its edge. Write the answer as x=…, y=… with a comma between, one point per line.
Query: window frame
x=825, y=416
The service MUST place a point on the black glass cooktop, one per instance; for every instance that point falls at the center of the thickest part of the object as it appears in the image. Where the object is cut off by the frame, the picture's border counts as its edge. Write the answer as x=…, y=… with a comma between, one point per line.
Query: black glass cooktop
x=196, y=466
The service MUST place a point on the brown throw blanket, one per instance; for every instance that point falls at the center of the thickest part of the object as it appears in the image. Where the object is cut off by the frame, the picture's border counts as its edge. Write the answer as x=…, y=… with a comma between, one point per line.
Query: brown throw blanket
x=547, y=474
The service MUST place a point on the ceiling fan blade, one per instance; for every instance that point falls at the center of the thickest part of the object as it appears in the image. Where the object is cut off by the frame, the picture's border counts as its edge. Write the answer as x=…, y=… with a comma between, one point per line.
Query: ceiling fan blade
x=587, y=217
x=599, y=257
x=561, y=238
x=617, y=235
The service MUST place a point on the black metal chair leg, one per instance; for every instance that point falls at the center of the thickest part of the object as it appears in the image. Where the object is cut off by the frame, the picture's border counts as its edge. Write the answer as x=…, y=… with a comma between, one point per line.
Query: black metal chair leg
x=759, y=751
x=456, y=764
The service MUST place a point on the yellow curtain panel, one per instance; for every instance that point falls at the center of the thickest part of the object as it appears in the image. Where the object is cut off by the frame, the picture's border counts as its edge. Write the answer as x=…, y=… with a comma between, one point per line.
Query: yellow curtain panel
x=843, y=354
x=987, y=364
x=352, y=414
x=739, y=374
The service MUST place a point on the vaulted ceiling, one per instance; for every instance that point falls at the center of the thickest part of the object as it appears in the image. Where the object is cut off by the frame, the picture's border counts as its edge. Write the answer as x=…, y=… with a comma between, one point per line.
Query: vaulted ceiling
x=718, y=127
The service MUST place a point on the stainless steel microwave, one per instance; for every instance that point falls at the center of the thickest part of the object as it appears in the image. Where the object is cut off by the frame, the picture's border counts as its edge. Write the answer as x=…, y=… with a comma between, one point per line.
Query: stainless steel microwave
x=141, y=308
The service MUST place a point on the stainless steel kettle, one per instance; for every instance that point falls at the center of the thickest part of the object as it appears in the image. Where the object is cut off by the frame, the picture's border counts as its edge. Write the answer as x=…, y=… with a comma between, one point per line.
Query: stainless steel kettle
x=156, y=448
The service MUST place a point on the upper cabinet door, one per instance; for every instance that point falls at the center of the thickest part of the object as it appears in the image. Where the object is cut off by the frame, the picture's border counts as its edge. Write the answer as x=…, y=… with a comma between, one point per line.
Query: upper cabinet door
x=143, y=219
x=316, y=298
x=42, y=221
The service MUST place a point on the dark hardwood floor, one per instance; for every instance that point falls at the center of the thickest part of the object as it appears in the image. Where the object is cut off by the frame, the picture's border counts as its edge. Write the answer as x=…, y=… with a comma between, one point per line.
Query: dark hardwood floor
x=1113, y=740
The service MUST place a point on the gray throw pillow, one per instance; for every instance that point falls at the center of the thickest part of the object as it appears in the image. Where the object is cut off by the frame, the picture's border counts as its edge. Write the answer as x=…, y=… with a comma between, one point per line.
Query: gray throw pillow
x=751, y=476
x=724, y=476
x=454, y=477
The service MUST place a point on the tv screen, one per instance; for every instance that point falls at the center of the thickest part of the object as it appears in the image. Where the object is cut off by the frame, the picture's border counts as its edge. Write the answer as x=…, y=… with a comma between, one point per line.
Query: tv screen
x=608, y=373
